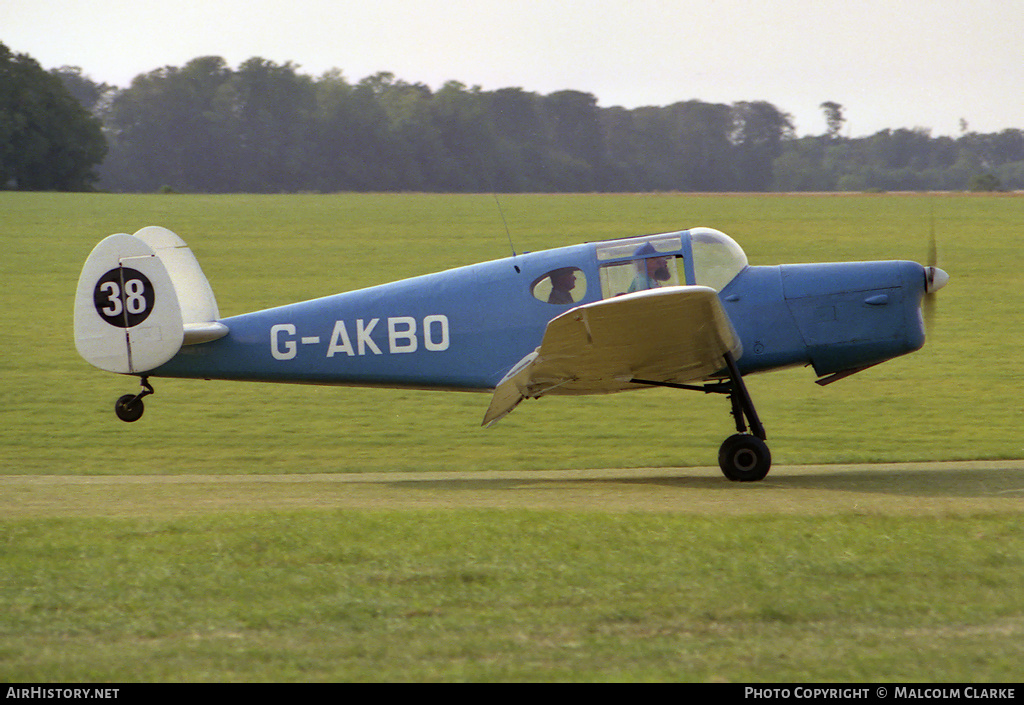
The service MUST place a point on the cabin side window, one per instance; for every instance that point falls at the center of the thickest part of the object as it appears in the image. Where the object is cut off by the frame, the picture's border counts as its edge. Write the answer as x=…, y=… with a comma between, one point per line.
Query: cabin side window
x=565, y=285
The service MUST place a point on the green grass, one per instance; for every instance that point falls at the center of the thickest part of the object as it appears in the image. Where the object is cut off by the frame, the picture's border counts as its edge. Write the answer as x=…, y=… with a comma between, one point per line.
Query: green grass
x=956, y=399
x=512, y=595
x=884, y=574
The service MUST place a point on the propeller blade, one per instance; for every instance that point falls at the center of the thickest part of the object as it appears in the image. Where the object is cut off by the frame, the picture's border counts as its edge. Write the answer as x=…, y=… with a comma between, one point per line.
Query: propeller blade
x=933, y=250
x=934, y=279
x=928, y=312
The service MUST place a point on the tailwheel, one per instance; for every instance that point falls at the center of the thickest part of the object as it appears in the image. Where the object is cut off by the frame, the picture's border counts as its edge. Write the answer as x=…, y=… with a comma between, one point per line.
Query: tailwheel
x=129, y=408
x=744, y=458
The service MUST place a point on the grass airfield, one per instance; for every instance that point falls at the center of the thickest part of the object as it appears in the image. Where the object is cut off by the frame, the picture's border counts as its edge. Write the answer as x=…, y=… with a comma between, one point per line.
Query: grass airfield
x=899, y=489
x=906, y=573
x=269, y=533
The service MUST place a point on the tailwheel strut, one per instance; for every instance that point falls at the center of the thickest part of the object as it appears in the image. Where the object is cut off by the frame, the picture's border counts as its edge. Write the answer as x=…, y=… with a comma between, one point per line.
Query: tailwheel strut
x=129, y=408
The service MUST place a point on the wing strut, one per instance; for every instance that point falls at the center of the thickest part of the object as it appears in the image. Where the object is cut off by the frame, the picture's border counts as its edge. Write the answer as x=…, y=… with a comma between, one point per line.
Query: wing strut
x=742, y=405
x=745, y=456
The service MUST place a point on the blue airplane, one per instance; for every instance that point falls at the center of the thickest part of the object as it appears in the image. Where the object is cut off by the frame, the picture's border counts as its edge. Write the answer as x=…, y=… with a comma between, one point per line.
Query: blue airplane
x=683, y=310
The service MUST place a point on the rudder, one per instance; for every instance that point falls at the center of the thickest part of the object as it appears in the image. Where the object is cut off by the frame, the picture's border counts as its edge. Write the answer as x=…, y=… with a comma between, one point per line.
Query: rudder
x=140, y=298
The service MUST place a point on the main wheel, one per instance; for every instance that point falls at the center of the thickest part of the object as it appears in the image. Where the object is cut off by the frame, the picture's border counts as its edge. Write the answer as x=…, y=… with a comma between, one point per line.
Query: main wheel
x=128, y=408
x=744, y=458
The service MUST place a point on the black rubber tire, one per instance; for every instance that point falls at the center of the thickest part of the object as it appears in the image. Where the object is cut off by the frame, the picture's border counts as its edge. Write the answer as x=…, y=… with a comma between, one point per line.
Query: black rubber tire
x=744, y=458
x=128, y=408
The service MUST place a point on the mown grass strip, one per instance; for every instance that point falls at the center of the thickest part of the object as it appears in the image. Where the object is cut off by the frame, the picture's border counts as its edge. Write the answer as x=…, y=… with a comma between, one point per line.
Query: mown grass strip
x=512, y=595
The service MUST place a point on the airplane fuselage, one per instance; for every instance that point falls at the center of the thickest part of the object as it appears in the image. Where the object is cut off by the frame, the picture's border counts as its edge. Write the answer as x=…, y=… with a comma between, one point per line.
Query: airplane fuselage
x=463, y=329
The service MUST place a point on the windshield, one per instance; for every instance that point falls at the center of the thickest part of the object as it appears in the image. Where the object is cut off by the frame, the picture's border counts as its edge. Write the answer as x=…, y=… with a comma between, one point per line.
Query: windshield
x=717, y=259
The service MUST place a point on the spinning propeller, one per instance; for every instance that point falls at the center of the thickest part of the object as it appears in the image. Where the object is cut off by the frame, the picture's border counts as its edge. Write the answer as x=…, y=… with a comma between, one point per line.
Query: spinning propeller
x=934, y=279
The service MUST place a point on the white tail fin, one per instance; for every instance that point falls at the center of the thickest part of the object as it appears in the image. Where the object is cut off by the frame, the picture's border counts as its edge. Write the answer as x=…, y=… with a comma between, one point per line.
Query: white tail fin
x=140, y=298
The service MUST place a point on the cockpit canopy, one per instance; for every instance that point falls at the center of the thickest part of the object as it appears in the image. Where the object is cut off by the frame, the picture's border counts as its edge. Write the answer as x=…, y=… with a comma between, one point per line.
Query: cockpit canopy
x=700, y=256
x=717, y=258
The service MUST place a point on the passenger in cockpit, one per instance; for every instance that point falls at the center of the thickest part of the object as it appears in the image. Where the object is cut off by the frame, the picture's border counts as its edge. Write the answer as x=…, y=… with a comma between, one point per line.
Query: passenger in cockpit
x=563, y=281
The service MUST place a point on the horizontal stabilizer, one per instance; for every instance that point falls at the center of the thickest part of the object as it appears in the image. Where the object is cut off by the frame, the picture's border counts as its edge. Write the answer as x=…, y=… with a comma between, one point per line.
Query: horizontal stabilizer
x=673, y=334
x=196, y=333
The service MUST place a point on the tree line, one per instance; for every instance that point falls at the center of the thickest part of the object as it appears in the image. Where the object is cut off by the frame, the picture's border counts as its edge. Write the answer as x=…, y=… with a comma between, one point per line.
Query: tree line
x=48, y=139
x=265, y=127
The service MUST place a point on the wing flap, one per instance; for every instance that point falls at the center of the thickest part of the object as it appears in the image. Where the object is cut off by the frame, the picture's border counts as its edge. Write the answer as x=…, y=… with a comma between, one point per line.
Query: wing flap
x=674, y=334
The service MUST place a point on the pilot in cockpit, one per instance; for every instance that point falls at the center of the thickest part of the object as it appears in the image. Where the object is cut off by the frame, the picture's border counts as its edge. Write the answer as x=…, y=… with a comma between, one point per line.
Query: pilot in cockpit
x=650, y=270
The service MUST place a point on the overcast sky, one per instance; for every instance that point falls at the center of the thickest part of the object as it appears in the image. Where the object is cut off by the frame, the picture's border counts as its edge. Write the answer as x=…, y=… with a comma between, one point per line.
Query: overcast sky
x=890, y=63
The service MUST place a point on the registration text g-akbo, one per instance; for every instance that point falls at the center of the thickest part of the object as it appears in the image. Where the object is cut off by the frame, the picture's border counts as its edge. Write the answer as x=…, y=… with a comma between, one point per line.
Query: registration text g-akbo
x=400, y=334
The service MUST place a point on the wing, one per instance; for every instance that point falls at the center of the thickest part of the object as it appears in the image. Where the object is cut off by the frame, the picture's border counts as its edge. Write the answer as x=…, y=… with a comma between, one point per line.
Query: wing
x=674, y=334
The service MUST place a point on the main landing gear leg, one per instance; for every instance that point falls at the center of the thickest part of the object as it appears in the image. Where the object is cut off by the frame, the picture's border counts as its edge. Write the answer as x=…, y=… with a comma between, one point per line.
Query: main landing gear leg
x=130, y=407
x=743, y=457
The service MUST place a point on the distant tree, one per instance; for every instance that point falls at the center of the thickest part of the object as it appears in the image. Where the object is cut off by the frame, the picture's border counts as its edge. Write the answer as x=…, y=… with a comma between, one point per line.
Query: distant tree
x=637, y=142
x=416, y=155
x=349, y=147
x=901, y=148
x=803, y=166
x=468, y=151
x=681, y=147
x=172, y=127
x=48, y=140
x=1011, y=176
x=269, y=109
x=577, y=162
x=701, y=134
x=833, y=118
x=759, y=129
x=515, y=117
x=93, y=96
x=985, y=182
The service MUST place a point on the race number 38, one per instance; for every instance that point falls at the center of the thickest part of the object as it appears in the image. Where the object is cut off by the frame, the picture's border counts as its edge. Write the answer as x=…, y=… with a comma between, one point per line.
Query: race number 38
x=124, y=297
